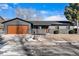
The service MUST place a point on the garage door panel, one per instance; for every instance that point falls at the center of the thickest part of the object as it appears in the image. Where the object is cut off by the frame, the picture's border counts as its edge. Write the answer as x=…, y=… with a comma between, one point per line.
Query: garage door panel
x=23, y=29
x=11, y=29
x=18, y=29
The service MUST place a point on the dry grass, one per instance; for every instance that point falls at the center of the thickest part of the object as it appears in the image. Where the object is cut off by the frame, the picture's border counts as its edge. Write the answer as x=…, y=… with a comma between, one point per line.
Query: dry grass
x=63, y=37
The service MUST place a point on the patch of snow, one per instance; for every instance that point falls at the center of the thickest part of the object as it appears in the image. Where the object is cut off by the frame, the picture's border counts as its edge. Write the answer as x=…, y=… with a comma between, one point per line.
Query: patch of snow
x=9, y=48
x=40, y=38
x=5, y=48
x=10, y=53
x=29, y=38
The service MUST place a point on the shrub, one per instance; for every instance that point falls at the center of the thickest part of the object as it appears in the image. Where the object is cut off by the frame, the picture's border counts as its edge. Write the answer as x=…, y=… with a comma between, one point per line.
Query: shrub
x=72, y=31
x=56, y=32
x=75, y=30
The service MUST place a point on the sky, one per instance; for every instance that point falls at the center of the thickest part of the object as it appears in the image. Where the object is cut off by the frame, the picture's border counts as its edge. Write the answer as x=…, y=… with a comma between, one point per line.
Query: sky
x=46, y=11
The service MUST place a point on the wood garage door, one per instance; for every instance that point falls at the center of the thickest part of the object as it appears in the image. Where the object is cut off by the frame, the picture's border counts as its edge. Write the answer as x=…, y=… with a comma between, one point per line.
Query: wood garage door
x=18, y=29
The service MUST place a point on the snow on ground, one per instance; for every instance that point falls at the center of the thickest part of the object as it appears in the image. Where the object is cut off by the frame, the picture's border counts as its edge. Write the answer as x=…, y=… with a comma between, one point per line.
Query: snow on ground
x=12, y=50
x=12, y=46
x=50, y=44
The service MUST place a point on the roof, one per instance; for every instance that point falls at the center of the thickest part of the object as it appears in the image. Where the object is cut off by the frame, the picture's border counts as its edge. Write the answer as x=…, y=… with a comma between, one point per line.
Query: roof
x=16, y=19
x=63, y=23
x=52, y=23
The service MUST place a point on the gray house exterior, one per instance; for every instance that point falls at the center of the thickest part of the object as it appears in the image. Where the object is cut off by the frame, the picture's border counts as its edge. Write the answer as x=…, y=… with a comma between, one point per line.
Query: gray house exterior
x=43, y=27
x=39, y=27
x=16, y=22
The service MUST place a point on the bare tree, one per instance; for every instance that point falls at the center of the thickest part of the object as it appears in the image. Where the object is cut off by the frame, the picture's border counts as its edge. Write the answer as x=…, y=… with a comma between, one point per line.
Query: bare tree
x=27, y=14
x=24, y=13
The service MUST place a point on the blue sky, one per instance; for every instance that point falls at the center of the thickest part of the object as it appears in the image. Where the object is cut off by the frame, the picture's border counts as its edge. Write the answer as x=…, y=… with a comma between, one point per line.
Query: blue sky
x=46, y=10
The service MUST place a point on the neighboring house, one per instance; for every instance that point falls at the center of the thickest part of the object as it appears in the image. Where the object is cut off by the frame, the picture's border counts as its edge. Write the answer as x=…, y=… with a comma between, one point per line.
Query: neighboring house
x=20, y=26
x=1, y=25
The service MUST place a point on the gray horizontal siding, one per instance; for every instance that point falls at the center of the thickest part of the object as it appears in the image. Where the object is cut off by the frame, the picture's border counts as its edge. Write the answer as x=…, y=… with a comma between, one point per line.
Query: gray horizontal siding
x=38, y=31
x=63, y=31
x=51, y=31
